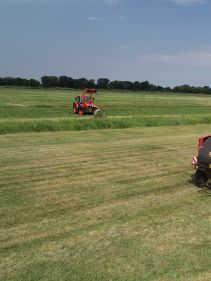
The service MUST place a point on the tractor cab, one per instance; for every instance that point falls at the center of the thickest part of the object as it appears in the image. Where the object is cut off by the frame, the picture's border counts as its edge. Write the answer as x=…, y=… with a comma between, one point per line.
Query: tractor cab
x=87, y=100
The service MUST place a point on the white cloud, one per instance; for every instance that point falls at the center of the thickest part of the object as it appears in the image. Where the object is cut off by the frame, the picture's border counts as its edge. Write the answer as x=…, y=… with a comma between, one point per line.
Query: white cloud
x=188, y=2
x=198, y=58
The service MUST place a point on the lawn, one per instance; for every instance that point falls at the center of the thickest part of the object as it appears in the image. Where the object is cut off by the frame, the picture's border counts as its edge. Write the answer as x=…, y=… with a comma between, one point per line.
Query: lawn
x=78, y=203
x=103, y=205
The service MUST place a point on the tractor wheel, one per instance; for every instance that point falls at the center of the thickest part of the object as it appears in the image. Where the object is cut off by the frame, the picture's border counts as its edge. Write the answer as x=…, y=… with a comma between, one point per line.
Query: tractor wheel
x=81, y=112
x=75, y=111
x=99, y=113
x=200, y=178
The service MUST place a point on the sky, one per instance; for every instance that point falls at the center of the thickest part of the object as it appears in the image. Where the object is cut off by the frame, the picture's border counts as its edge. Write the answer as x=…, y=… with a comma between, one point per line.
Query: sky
x=167, y=42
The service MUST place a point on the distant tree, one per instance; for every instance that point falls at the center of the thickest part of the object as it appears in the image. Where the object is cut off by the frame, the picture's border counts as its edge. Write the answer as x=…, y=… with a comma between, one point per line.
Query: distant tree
x=206, y=90
x=2, y=82
x=91, y=83
x=159, y=88
x=63, y=81
x=156, y=88
x=34, y=83
x=191, y=89
x=136, y=85
x=45, y=81
x=50, y=81
x=10, y=81
x=127, y=85
x=116, y=85
x=184, y=89
x=145, y=86
x=167, y=89
x=102, y=83
x=66, y=82
x=25, y=83
x=19, y=81
x=81, y=83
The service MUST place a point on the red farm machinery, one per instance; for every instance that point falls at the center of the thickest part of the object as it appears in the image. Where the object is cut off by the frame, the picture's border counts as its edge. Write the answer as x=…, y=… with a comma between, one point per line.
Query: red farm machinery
x=202, y=162
x=84, y=104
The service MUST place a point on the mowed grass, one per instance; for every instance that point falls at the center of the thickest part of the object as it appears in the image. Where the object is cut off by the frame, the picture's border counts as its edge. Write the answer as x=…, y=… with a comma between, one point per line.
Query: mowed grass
x=28, y=110
x=103, y=205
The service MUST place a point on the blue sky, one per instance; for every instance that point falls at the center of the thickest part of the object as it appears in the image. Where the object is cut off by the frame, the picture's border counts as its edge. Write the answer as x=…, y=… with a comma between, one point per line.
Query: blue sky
x=167, y=42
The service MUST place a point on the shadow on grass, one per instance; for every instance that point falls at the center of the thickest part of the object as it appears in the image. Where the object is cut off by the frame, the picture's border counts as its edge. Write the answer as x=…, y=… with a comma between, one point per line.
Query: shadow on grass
x=203, y=189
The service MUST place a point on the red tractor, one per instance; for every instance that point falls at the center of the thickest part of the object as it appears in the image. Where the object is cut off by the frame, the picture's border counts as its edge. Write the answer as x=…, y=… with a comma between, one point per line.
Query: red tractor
x=85, y=104
x=202, y=162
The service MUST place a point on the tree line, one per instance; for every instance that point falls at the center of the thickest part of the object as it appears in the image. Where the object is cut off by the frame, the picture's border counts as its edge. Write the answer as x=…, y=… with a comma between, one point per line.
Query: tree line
x=101, y=83
x=11, y=81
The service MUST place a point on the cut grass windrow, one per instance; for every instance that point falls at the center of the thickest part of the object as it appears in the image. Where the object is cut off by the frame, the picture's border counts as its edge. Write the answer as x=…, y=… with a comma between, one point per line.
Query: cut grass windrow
x=11, y=127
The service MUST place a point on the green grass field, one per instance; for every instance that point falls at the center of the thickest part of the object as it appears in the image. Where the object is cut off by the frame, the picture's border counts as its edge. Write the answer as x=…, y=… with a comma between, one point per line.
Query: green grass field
x=25, y=110
x=102, y=204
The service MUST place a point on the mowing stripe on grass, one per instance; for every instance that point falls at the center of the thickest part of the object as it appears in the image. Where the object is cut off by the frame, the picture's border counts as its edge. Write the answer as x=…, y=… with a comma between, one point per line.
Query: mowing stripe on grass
x=103, y=205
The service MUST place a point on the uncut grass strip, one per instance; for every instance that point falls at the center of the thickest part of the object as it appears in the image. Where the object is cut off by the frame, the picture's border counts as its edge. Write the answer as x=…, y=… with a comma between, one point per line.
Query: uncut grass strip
x=92, y=124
